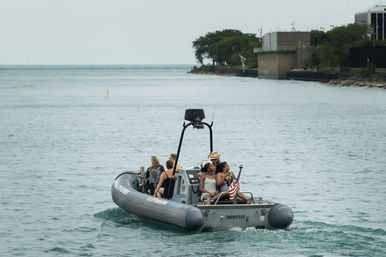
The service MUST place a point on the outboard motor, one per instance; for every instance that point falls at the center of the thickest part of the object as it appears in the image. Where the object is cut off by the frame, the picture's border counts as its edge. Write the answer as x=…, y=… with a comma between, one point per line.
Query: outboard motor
x=280, y=216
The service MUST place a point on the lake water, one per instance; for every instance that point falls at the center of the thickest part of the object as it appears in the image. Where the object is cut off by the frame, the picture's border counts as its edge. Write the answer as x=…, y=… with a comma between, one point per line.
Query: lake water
x=317, y=148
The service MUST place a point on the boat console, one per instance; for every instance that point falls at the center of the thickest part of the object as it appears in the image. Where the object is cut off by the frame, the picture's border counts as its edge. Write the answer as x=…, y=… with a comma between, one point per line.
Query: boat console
x=187, y=187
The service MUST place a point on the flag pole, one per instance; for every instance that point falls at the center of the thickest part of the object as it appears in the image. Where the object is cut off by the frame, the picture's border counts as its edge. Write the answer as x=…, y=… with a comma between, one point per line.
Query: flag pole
x=237, y=193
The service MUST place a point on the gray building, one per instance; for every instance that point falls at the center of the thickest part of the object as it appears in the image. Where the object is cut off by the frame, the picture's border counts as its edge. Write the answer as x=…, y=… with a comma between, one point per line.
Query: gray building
x=282, y=52
x=376, y=18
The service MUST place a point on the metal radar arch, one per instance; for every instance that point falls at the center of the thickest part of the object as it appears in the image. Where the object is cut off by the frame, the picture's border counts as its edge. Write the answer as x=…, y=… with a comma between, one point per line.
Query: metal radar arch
x=195, y=117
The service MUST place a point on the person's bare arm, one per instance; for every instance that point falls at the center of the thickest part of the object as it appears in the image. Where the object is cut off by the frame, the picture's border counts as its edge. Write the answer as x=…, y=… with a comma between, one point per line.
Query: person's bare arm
x=220, y=178
x=161, y=180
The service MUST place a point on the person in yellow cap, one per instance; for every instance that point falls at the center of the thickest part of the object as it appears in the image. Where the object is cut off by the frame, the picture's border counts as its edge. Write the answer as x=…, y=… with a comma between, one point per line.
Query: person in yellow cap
x=214, y=157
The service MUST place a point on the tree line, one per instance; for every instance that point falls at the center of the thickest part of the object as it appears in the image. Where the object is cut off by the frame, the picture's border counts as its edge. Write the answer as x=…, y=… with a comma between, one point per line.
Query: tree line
x=225, y=47
x=330, y=49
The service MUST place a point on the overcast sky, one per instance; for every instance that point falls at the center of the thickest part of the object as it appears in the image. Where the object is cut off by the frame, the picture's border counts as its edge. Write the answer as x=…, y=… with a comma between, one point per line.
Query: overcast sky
x=147, y=31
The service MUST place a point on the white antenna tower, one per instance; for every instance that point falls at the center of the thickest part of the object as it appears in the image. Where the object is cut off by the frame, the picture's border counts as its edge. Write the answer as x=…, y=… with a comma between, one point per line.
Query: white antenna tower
x=293, y=26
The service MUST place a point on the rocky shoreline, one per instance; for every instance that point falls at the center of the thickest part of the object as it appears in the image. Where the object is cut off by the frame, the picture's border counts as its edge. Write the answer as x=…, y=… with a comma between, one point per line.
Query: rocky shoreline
x=377, y=80
x=212, y=73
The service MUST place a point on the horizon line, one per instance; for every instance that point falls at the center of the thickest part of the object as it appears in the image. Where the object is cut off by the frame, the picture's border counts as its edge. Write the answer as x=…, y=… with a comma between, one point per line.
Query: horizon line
x=95, y=64
x=83, y=66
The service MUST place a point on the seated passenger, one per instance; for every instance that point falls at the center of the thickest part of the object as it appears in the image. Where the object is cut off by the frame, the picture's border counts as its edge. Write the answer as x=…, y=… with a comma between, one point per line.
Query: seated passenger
x=173, y=157
x=202, y=164
x=208, y=183
x=224, y=178
x=214, y=157
x=152, y=176
x=166, y=183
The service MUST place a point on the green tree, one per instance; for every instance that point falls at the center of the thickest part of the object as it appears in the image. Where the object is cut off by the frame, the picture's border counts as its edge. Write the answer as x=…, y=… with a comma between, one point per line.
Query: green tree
x=334, y=51
x=224, y=47
x=317, y=37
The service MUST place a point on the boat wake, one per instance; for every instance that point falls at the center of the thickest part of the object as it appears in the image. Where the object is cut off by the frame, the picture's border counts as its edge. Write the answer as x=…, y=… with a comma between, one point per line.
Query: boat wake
x=119, y=216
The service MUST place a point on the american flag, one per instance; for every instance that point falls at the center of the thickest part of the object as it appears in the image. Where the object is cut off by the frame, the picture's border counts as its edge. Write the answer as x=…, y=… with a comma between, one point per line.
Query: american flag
x=234, y=187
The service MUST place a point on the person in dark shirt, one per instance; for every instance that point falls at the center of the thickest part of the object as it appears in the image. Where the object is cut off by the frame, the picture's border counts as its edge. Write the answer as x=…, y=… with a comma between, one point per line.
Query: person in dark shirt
x=166, y=183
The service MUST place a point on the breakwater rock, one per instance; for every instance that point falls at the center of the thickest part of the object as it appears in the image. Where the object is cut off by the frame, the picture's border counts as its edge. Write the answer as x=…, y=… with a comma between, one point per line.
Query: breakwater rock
x=373, y=81
x=228, y=71
x=377, y=80
x=349, y=82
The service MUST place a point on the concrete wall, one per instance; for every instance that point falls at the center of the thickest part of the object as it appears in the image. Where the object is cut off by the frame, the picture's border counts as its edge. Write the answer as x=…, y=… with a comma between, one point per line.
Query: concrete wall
x=377, y=70
x=291, y=40
x=302, y=57
x=267, y=65
x=275, y=65
x=285, y=41
x=282, y=52
x=287, y=62
x=312, y=75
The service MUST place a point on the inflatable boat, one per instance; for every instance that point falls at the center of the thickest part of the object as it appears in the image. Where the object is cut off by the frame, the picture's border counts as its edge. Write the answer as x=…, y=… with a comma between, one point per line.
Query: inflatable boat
x=185, y=209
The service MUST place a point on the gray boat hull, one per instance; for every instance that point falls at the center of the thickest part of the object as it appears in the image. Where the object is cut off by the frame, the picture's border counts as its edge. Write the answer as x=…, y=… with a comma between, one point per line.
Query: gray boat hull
x=146, y=206
x=197, y=217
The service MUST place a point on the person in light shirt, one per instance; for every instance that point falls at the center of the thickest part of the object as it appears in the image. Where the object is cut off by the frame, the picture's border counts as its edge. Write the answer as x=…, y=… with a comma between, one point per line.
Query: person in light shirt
x=208, y=183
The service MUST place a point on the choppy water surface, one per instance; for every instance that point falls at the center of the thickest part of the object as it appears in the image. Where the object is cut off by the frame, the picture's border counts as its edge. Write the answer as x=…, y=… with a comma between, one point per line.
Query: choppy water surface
x=319, y=149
